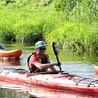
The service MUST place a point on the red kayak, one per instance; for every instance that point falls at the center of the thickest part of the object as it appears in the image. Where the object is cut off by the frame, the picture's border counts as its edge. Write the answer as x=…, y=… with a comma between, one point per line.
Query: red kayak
x=43, y=92
x=54, y=80
x=96, y=70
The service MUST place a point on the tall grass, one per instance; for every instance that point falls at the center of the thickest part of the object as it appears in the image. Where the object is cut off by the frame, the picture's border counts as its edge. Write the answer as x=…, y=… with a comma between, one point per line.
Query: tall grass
x=71, y=23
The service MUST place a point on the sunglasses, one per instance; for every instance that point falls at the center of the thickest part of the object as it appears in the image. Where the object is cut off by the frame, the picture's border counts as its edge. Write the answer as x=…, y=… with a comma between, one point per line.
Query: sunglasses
x=42, y=48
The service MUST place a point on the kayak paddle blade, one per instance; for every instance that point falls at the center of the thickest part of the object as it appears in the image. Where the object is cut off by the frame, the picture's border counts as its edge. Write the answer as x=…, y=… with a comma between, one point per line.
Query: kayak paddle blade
x=56, y=51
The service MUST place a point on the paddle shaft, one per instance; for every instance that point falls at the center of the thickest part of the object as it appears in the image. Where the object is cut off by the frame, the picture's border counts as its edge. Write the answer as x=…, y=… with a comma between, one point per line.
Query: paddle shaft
x=58, y=62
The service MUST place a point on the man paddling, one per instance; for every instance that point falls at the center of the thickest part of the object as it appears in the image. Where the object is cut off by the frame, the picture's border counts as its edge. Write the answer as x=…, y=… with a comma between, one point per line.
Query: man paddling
x=39, y=61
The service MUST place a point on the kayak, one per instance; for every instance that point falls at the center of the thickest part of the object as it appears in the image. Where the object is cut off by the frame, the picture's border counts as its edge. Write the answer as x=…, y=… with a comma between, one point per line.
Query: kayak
x=12, y=54
x=41, y=92
x=54, y=80
x=96, y=70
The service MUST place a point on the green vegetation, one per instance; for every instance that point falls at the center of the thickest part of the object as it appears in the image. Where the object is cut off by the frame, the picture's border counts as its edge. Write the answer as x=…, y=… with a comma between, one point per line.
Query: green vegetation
x=73, y=24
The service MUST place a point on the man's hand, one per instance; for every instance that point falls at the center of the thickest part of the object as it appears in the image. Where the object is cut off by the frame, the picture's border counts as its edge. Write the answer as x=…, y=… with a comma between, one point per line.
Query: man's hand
x=57, y=64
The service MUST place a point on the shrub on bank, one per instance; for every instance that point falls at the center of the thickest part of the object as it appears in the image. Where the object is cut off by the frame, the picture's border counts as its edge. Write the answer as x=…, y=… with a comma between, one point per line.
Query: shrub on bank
x=69, y=23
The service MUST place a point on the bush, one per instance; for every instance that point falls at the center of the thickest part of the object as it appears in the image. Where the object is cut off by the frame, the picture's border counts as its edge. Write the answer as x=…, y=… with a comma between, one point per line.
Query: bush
x=8, y=36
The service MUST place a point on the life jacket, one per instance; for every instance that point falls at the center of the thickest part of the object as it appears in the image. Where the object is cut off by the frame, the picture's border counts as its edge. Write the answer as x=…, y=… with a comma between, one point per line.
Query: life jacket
x=34, y=68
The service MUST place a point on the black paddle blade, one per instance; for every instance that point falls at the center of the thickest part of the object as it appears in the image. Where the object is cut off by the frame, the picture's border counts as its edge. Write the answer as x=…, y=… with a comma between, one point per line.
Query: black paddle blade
x=55, y=48
x=56, y=51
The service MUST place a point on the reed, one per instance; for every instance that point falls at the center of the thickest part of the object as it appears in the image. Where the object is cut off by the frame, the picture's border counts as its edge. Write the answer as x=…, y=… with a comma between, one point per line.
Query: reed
x=71, y=23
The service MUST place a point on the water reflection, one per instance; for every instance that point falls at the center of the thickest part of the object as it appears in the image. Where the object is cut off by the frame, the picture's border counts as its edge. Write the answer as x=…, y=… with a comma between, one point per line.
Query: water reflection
x=28, y=91
x=10, y=62
x=53, y=93
x=9, y=93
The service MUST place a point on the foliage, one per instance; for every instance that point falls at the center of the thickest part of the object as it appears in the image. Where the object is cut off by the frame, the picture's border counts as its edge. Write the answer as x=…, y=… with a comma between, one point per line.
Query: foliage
x=71, y=23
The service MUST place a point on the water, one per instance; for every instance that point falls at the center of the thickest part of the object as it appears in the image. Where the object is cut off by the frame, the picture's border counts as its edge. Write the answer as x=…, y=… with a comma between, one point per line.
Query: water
x=82, y=65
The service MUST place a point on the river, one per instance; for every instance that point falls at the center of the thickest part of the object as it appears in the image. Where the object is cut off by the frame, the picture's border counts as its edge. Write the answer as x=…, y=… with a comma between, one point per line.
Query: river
x=82, y=64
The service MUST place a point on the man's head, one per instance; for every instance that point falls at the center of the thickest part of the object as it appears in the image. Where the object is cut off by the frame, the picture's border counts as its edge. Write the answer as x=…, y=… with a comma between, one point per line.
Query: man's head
x=40, y=44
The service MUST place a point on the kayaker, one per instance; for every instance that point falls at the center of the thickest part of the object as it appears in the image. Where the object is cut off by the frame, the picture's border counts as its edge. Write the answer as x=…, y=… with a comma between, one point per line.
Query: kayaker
x=2, y=47
x=39, y=61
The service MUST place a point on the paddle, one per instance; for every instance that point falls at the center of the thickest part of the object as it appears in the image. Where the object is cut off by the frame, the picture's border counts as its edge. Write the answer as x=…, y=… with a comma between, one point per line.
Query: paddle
x=56, y=50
